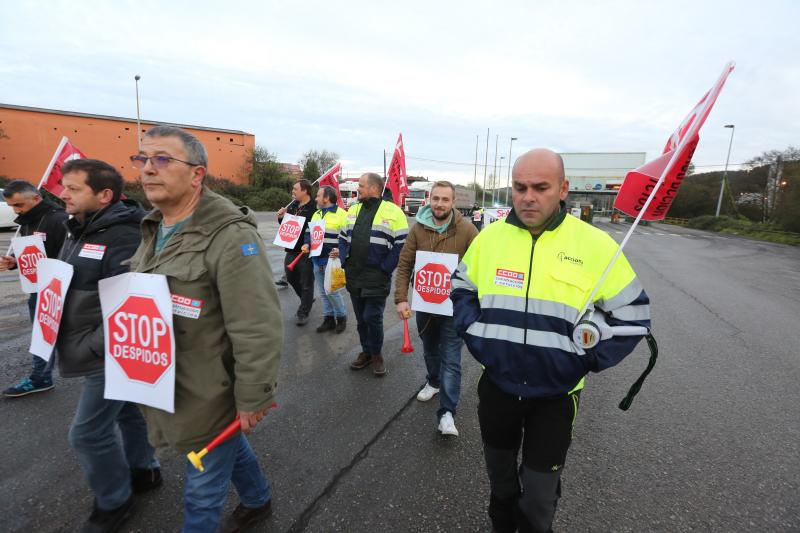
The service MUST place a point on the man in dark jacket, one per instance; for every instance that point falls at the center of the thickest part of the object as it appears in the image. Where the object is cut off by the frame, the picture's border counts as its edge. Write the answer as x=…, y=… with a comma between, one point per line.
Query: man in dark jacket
x=37, y=216
x=103, y=233
x=301, y=278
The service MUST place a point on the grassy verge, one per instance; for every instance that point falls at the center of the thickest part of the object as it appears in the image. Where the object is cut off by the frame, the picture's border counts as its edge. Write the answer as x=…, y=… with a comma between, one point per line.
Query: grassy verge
x=745, y=228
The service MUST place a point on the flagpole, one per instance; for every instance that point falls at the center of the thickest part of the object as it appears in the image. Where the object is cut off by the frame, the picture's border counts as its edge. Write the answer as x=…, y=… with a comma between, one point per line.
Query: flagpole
x=46, y=174
x=138, y=121
x=688, y=137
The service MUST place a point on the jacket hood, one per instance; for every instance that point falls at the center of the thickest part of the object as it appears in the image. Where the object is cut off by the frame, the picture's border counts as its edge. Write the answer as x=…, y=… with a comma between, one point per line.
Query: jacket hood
x=212, y=213
x=425, y=217
x=38, y=211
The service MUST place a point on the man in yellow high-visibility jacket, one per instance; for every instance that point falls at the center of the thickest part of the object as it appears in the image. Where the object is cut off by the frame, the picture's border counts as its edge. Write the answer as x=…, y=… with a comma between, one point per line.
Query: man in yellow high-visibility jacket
x=516, y=295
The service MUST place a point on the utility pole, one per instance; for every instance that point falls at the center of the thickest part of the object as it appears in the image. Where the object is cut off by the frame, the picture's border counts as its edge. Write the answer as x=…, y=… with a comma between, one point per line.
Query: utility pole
x=138, y=121
x=494, y=178
x=725, y=174
x=508, y=177
x=475, y=171
x=485, y=166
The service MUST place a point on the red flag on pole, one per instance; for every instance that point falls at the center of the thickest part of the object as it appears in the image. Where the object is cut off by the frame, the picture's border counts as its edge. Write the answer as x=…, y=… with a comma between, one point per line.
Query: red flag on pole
x=670, y=168
x=66, y=151
x=331, y=179
x=396, y=179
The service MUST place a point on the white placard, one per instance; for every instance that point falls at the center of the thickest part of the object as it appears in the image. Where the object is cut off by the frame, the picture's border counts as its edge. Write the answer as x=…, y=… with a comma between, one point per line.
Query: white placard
x=28, y=251
x=317, y=230
x=54, y=277
x=139, y=339
x=431, y=283
x=290, y=230
x=493, y=215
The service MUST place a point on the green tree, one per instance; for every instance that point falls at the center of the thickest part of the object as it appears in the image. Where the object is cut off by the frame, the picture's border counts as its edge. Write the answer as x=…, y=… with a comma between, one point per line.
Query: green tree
x=315, y=162
x=263, y=170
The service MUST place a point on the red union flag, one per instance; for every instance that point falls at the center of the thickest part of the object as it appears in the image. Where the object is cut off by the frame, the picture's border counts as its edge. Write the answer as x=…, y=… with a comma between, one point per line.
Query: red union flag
x=666, y=172
x=331, y=179
x=396, y=180
x=66, y=151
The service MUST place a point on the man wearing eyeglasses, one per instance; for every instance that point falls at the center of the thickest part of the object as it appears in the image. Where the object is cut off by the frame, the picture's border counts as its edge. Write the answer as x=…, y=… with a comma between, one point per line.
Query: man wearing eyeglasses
x=228, y=349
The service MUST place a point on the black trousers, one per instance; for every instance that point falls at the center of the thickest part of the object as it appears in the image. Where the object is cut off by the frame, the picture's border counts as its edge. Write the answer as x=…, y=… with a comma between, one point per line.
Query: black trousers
x=301, y=279
x=524, y=496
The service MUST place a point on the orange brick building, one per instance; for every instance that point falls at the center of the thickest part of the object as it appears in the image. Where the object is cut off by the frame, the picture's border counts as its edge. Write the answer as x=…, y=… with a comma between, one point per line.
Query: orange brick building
x=31, y=135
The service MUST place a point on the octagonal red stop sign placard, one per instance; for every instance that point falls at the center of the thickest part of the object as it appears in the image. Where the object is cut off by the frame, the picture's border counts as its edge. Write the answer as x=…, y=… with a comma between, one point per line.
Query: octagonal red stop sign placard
x=48, y=311
x=139, y=339
x=432, y=283
x=317, y=236
x=289, y=231
x=28, y=260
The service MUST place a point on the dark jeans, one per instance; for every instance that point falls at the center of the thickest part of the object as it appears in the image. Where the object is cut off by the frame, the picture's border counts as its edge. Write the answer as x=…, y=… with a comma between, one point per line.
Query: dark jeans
x=93, y=435
x=42, y=371
x=302, y=280
x=204, y=493
x=543, y=428
x=369, y=316
x=442, y=347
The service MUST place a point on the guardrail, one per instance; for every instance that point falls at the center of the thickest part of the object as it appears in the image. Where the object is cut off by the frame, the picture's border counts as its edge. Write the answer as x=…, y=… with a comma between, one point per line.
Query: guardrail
x=676, y=221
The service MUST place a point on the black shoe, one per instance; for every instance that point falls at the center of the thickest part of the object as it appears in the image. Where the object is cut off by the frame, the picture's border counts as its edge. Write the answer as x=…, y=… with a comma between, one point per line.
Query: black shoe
x=145, y=479
x=341, y=324
x=242, y=517
x=301, y=320
x=107, y=521
x=328, y=324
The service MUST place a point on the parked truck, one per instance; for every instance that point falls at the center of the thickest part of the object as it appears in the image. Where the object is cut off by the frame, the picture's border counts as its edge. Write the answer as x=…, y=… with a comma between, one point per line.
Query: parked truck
x=419, y=194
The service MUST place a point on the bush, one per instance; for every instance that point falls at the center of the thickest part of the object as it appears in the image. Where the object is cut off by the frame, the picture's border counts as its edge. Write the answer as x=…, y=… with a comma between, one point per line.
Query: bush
x=270, y=199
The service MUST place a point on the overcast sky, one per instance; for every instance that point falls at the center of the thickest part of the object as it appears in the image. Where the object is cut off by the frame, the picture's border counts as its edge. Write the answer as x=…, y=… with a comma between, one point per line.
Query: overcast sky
x=574, y=76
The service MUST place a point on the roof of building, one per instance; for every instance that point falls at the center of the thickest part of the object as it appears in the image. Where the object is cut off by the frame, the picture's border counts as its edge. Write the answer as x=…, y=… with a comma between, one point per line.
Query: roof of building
x=123, y=119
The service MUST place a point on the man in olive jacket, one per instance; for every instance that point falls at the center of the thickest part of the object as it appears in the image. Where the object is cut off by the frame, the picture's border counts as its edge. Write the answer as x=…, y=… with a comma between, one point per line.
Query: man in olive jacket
x=442, y=229
x=227, y=324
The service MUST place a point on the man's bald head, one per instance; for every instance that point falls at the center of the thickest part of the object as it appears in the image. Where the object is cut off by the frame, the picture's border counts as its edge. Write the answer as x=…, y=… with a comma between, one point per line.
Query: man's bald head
x=538, y=187
x=542, y=160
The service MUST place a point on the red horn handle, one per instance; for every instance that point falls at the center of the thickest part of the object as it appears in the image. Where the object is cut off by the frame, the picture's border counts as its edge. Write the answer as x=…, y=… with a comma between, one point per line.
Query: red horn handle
x=291, y=265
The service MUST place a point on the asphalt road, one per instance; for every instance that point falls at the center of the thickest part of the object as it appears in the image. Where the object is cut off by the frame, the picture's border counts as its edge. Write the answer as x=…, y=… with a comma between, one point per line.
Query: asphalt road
x=710, y=444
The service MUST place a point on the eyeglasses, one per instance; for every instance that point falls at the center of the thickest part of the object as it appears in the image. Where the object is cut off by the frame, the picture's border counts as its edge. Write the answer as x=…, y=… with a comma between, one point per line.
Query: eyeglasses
x=158, y=161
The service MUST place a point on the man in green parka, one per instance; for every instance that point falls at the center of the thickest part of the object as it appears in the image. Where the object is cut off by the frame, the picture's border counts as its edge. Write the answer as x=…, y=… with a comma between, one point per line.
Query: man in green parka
x=227, y=324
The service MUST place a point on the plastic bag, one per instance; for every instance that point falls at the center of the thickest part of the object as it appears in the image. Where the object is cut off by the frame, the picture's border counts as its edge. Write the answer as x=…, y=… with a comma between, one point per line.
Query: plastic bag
x=334, y=276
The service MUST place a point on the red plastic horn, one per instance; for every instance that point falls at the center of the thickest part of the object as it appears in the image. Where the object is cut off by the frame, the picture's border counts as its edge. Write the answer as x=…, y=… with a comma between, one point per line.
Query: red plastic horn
x=291, y=265
x=196, y=457
x=407, y=348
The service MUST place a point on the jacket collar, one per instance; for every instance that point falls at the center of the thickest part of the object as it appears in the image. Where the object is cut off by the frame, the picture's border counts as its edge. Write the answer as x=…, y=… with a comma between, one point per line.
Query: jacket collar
x=552, y=224
x=35, y=214
x=212, y=213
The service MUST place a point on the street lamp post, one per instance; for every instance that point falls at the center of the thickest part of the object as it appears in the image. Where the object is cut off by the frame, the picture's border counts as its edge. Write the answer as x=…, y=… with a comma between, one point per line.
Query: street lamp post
x=508, y=177
x=725, y=174
x=138, y=120
x=494, y=178
x=500, y=171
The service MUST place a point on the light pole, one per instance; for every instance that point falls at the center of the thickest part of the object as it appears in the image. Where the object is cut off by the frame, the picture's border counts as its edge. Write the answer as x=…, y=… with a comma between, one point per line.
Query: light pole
x=138, y=120
x=475, y=172
x=500, y=171
x=725, y=174
x=508, y=177
x=485, y=166
x=494, y=178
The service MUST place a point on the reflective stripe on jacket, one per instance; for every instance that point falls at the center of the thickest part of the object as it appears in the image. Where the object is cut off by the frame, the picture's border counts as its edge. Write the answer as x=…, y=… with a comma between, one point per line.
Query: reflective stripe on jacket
x=516, y=298
x=388, y=234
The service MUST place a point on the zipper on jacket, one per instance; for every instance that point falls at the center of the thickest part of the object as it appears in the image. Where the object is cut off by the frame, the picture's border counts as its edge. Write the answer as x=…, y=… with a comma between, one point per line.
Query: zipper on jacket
x=527, y=290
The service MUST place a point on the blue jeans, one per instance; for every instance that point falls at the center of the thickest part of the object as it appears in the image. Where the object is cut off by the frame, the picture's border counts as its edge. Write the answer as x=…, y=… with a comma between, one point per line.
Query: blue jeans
x=442, y=347
x=42, y=371
x=205, y=492
x=332, y=304
x=105, y=461
x=369, y=315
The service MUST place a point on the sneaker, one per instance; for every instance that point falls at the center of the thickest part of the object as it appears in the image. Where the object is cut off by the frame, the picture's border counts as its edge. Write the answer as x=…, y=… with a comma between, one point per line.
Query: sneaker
x=362, y=361
x=302, y=320
x=378, y=366
x=25, y=387
x=145, y=479
x=341, y=324
x=447, y=425
x=107, y=521
x=427, y=393
x=328, y=324
x=243, y=517
x=282, y=283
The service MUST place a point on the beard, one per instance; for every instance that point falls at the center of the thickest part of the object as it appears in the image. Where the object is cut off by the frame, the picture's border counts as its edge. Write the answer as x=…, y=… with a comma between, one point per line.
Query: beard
x=442, y=218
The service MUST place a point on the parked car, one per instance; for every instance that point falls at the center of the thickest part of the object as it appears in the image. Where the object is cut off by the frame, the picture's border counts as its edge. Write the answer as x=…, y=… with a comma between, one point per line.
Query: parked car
x=7, y=214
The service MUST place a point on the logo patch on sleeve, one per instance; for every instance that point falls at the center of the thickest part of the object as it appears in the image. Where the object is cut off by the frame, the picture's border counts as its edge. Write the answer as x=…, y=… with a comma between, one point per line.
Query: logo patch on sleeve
x=509, y=278
x=251, y=248
x=186, y=307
